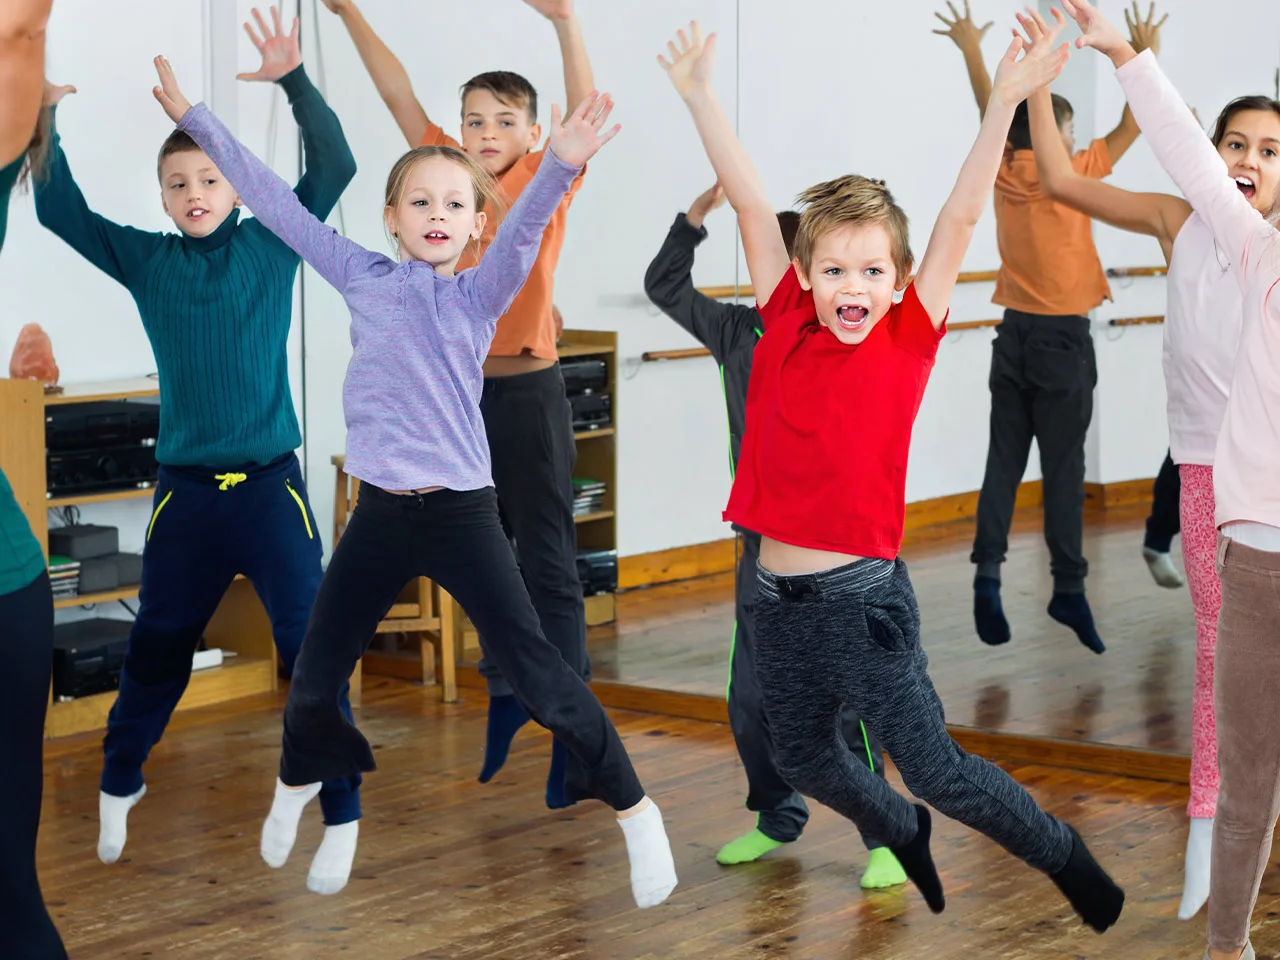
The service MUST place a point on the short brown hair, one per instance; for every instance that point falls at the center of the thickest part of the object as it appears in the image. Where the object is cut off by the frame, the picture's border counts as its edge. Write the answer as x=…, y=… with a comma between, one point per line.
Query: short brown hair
x=177, y=142
x=1020, y=128
x=487, y=194
x=510, y=88
x=852, y=199
x=789, y=223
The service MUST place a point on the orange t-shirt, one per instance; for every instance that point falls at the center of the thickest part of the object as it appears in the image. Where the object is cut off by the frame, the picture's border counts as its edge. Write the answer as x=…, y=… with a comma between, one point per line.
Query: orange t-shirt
x=529, y=326
x=1048, y=263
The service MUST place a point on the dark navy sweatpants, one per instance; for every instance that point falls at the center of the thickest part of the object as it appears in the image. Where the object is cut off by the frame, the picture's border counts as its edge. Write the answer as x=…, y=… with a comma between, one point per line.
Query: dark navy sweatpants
x=207, y=525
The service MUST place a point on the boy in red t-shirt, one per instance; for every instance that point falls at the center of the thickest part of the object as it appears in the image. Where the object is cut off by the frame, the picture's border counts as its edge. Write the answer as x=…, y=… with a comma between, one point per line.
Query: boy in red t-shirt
x=836, y=383
x=526, y=412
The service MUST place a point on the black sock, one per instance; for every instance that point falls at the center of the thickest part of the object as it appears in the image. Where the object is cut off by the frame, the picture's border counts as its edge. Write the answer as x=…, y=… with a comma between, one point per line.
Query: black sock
x=506, y=717
x=1073, y=610
x=917, y=861
x=557, y=795
x=988, y=611
x=1092, y=893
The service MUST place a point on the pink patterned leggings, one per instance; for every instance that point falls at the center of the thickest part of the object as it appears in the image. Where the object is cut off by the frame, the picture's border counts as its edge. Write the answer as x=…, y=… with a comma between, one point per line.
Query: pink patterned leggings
x=1199, y=546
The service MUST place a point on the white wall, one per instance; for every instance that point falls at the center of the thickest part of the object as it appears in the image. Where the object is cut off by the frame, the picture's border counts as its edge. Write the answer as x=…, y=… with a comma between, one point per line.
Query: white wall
x=821, y=88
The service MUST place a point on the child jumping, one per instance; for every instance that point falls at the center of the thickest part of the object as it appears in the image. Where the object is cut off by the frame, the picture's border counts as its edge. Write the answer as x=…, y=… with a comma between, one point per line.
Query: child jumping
x=216, y=300
x=837, y=620
x=525, y=409
x=1043, y=368
x=731, y=331
x=416, y=440
x=1245, y=467
x=1201, y=339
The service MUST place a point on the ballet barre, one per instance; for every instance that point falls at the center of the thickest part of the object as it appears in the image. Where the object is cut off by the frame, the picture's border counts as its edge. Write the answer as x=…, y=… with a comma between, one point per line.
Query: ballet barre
x=1133, y=321
x=734, y=292
x=652, y=356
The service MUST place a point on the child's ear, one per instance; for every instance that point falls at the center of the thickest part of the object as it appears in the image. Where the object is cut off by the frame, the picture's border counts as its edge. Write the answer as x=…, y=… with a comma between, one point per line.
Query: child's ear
x=481, y=219
x=239, y=202
x=801, y=275
x=389, y=222
x=904, y=278
x=535, y=136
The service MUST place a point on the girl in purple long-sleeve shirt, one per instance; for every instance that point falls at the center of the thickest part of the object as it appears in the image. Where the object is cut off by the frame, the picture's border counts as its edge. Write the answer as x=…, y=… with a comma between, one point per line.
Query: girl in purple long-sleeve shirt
x=415, y=438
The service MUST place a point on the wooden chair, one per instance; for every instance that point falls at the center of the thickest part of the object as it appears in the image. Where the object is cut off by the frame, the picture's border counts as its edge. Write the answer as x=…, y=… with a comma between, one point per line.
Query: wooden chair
x=423, y=609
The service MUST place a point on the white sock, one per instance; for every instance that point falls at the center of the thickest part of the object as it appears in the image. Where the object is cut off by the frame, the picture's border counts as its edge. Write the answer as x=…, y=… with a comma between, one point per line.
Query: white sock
x=1195, y=888
x=1162, y=568
x=113, y=823
x=331, y=865
x=281, y=828
x=653, y=871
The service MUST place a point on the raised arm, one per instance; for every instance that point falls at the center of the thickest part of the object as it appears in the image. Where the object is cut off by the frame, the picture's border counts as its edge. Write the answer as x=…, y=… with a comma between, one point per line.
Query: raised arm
x=388, y=73
x=669, y=284
x=22, y=30
x=1157, y=215
x=270, y=198
x=968, y=37
x=327, y=156
x=506, y=263
x=1014, y=81
x=119, y=252
x=1181, y=146
x=578, y=79
x=690, y=71
x=1143, y=35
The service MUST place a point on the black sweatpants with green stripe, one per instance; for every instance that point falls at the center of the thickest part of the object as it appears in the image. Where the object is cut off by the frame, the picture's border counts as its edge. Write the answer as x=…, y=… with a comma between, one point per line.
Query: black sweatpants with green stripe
x=782, y=812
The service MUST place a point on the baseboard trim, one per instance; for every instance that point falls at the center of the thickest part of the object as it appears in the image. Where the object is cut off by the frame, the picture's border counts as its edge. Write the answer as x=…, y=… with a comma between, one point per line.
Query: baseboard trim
x=719, y=556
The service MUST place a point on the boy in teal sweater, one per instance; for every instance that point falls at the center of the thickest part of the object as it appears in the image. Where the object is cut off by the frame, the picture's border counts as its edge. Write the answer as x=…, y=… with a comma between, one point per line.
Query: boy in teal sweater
x=216, y=300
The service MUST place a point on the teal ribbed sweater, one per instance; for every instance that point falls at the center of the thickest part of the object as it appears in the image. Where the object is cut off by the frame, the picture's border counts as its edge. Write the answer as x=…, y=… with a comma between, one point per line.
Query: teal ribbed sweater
x=20, y=557
x=216, y=309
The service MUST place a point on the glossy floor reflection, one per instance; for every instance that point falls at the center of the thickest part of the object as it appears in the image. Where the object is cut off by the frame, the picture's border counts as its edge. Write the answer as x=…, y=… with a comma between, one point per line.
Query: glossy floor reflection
x=1043, y=683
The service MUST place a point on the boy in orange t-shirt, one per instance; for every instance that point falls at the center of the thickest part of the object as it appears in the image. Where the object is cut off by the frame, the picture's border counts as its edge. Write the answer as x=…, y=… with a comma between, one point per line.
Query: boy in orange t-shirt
x=526, y=412
x=1043, y=369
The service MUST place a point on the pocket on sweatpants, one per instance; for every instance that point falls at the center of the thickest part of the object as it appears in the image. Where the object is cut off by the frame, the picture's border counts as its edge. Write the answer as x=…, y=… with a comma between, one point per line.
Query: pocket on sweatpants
x=885, y=627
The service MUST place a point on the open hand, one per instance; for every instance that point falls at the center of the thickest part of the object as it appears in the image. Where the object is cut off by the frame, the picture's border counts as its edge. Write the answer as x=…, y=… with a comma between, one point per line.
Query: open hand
x=578, y=139
x=170, y=97
x=280, y=52
x=706, y=202
x=690, y=65
x=1040, y=37
x=552, y=9
x=53, y=93
x=1143, y=34
x=1096, y=30
x=1015, y=79
x=962, y=30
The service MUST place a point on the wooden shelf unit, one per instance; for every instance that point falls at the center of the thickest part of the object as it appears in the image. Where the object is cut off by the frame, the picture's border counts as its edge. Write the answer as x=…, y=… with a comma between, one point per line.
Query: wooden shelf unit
x=240, y=623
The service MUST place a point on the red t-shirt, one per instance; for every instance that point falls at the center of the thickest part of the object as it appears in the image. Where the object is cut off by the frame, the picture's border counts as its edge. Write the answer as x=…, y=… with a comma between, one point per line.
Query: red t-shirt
x=824, y=458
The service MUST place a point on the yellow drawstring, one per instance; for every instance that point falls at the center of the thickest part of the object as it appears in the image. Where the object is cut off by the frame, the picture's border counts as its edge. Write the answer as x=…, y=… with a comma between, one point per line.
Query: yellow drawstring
x=229, y=480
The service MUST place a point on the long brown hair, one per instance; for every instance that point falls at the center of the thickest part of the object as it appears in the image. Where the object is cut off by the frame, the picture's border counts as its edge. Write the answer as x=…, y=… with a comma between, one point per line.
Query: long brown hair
x=1240, y=105
x=37, y=163
x=488, y=195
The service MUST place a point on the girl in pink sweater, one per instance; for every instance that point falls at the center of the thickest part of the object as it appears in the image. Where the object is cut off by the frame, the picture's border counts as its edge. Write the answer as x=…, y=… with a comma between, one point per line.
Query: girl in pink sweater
x=1201, y=336
x=1246, y=484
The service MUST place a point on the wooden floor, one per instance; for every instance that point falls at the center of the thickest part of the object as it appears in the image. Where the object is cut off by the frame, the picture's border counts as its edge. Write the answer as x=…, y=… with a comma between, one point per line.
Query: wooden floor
x=448, y=868
x=1043, y=683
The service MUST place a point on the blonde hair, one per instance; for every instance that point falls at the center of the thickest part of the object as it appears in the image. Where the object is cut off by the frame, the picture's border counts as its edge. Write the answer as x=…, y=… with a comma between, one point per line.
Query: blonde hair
x=488, y=195
x=852, y=199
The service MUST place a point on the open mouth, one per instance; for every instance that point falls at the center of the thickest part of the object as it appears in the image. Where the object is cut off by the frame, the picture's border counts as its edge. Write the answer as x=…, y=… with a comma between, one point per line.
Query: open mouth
x=436, y=236
x=851, y=316
x=198, y=213
x=1247, y=187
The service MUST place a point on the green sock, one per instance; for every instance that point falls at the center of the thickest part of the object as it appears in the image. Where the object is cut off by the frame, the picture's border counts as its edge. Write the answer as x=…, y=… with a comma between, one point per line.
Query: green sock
x=748, y=847
x=883, y=870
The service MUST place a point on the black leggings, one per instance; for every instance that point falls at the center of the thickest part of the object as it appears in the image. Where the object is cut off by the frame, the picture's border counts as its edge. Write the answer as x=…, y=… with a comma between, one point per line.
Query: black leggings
x=26, y=643
x=456, y=539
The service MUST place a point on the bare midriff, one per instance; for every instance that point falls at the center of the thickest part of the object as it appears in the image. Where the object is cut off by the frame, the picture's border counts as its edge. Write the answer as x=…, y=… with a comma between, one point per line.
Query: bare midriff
x=788, y=560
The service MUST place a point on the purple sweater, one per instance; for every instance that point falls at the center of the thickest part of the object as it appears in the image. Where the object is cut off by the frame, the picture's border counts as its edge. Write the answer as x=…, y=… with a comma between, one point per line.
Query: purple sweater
x=412, y=391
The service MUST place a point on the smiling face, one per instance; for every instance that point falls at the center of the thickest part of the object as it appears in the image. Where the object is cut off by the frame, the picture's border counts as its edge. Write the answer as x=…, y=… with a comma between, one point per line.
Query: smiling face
x=852, y=277
x=497, y=133
x=195, y=195
x=436, y=214
x=1250, y=147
